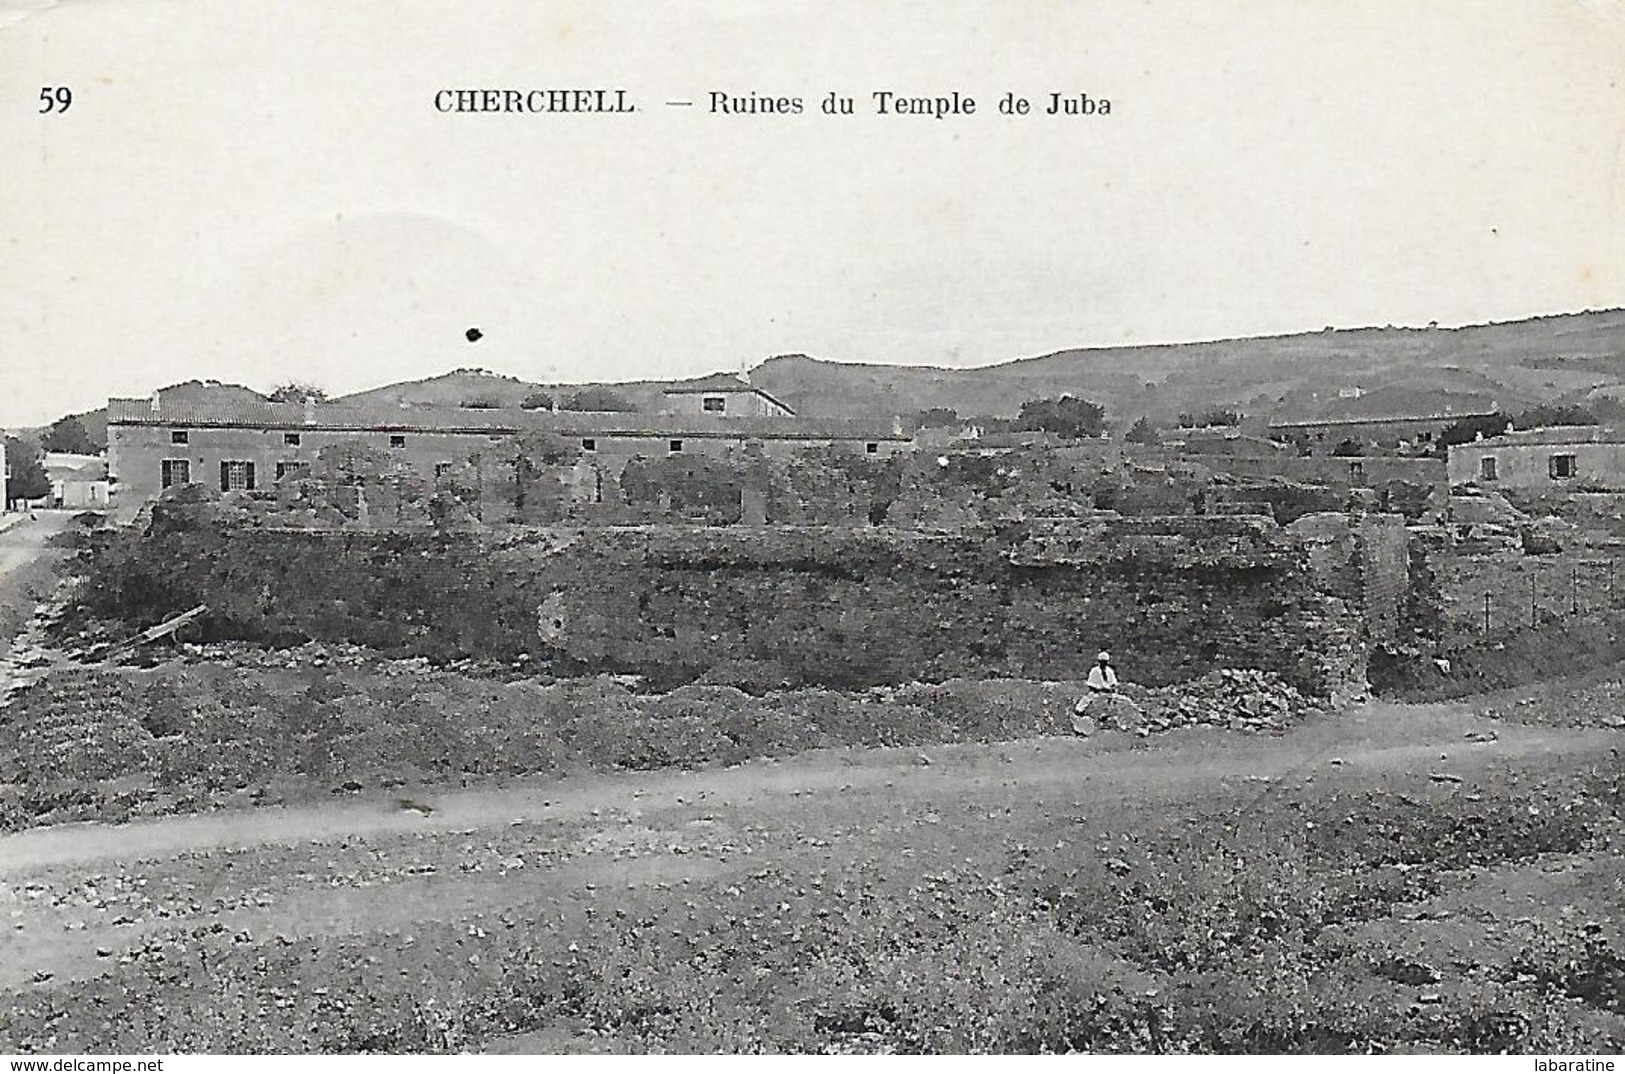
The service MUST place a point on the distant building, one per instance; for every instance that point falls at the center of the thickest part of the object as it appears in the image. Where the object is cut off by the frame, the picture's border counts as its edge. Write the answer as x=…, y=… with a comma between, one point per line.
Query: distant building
x=77, y=481
x=1369, y=435
x=236, y=445
x=724, y=395
x=1565, y=457
x=938, y=436
x=1224, y=440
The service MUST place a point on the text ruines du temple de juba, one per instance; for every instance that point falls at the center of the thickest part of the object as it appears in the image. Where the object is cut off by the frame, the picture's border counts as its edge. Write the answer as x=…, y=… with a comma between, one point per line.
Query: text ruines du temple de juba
x=724, y=103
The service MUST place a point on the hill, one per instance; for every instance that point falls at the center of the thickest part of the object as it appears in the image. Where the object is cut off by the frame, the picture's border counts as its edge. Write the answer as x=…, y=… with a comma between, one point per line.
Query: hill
x=1292, y=377
x=457, y=388
x=463, y=386
x=1333, y=373
x=1362, y=372
x=95, y=421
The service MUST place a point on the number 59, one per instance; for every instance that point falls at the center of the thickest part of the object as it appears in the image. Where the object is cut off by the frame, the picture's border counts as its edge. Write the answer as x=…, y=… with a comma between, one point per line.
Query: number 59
x=55, y=99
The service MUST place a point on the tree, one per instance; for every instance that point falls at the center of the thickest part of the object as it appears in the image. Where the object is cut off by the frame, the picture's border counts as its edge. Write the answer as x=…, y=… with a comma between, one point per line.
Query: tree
x=937, y=417
x=537, y=400
x=28, y=479
x=70, y=436
x=480, y=402
x=1348, y=448
x=598, y=398
x=1067, y=416
x=295, y=392
x=1549, y=415
x=1210, y=417
x=1142, y=432
x=1466, y=430
x=1220, y=416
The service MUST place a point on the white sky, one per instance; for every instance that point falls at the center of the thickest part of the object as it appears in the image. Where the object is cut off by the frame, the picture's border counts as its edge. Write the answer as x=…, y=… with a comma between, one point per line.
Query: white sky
x=259, y=191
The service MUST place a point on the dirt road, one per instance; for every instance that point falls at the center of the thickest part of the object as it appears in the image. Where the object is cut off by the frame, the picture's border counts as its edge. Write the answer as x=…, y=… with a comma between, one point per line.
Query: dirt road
x=1370, y=740
x=27, y=573
x=24, y=540
x=77, y=895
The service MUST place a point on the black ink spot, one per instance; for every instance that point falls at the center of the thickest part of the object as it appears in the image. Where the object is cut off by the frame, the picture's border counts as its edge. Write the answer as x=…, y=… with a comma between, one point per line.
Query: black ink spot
x=473, y=335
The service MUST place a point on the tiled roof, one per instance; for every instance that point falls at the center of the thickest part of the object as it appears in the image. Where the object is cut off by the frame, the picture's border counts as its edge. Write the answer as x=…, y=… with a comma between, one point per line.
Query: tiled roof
x=384, y=418
x=722, y=382
x=1396, y=419
x=716, y=382
x=1547, y=436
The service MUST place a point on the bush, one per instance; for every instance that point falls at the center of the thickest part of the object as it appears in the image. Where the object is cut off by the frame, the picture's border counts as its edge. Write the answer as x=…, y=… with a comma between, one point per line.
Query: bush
x=599, y=399
x=1066, y=416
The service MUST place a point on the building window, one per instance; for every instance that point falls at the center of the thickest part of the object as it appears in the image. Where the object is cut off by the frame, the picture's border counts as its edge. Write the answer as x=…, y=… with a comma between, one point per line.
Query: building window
x=676, y=446
x=176, y=472
x=236, y=476
x=1356, y=470
x=292, y=468
x=1486, y=468
x=178, y=436
x=290, y=439
x=397, y=441
x=589, y=444
x=872, y=448
x=715, y=404
x=1562, y=466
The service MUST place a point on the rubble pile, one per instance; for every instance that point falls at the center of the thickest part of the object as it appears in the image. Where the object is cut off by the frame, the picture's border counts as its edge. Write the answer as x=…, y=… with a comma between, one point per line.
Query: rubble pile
x=342, y=656
x=30, y=651
x=1242, y=699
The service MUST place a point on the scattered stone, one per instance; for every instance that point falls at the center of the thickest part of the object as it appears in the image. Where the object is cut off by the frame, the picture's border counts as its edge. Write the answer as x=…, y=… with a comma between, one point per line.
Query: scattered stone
x=1242, y=699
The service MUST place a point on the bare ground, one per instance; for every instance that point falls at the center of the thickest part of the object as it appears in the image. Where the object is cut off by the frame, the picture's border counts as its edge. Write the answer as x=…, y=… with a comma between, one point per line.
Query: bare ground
x=76, y=896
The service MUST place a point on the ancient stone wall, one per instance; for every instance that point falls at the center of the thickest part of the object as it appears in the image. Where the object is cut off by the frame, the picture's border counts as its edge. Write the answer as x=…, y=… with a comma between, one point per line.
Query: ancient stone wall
x=1365, y=561
x=1173, y=598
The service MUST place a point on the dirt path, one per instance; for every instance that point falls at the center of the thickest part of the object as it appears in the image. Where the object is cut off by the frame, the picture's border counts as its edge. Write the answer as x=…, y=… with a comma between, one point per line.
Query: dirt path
x=23, y=541
x=27, y=567
x=80, y=895
x=1373, y=739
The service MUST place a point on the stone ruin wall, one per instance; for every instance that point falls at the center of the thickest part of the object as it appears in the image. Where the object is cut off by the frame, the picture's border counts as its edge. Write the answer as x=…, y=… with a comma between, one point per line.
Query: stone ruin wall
x=1174, y=598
